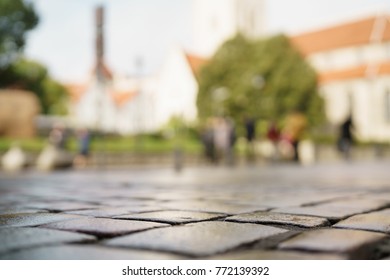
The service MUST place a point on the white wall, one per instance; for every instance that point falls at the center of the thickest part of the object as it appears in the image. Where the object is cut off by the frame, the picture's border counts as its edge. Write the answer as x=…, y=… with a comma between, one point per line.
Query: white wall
x=215, y=21
x=350, y=57
x=138, y=114
x=177, y=89
x=96, y=108
x=368, y=99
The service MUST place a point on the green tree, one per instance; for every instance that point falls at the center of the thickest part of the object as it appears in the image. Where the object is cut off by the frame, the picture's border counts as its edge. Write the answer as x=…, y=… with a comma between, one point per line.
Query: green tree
x=17, y=17
x=265, y=79
x=33, y=76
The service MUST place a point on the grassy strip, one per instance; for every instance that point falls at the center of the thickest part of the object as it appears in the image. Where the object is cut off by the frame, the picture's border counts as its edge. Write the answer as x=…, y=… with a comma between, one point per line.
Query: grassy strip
x=144, y=144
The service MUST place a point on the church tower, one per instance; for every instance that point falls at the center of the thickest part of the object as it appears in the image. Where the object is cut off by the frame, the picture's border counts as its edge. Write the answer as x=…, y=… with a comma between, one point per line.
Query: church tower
x=215, y=21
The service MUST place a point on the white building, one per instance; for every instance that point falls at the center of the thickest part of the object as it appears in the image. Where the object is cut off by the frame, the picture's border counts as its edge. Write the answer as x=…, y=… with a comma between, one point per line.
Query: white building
x=104, y=104
x=353, y=63
x=133, y=105
x=177, y=88
x=216, y=21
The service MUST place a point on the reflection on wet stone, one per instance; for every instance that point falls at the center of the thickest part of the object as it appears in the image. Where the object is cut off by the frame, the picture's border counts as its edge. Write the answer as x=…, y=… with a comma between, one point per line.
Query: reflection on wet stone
x=35, y=219
x=283, y=219
x=19, y=238
x=172, y=217
x=258, y=212
x=103, y=227
x=86, y=252
x=333, y=240
x=197, y=239
x=374, y=221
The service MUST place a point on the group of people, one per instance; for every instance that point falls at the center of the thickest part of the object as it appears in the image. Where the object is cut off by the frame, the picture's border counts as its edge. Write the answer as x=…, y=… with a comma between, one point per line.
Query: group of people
x=286, y=140
x=219, y=137
x=58, y=138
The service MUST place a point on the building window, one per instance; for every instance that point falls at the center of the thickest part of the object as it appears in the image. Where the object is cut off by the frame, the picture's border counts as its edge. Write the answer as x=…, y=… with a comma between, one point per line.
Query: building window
x=387, y=105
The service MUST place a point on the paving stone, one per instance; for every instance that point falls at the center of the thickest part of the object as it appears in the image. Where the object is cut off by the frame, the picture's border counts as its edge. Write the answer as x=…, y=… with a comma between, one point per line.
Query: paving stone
x=120, y=202
x=364, y=204
x=105, y=212
x=278, y=201
x=34, y=219
x=39, y=205
x=172, y=217
x=382, y=195
x=277, y=218
x=20, y=238
x=197, y=239
x=103, y=227
x=336, y=210
x=140, y=208
x=20, y=210
x=68, y=206
x=334, y=240
x=319, y=211
x=86, y=252
x=374, y=221
x=214, y=207
x=277, y=255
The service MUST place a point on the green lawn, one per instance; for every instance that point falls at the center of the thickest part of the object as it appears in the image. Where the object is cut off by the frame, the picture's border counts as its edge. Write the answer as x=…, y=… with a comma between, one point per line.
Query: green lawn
x=144, y=144
x=31, y=145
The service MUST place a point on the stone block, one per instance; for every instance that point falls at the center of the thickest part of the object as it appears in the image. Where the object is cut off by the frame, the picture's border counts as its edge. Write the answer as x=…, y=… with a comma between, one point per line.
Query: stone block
x=103, y=227
x=33, y=219
x=172, y=217
x=278, y=218
x=85, y=252
x=23, y=238
x=374, y=221
x=351, y=242
x=197, y=239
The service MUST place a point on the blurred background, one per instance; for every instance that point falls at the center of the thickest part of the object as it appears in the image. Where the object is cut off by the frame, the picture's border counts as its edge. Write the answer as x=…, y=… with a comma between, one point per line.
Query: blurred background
x=183, y=82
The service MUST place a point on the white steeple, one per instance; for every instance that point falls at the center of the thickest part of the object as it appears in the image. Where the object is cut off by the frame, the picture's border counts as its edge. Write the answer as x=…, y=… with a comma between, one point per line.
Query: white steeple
x=215, y=21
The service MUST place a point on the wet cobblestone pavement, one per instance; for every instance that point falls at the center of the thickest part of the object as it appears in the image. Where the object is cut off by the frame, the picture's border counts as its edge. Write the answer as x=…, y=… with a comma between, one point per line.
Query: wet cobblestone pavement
x=339, y=211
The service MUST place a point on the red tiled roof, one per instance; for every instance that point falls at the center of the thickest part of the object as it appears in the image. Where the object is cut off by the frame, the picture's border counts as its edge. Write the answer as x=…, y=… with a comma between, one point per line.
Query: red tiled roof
x=121, y=97
x=344, y=35
x=354, y=73
x=76, y=91
x=196, y=63
x=107, y=73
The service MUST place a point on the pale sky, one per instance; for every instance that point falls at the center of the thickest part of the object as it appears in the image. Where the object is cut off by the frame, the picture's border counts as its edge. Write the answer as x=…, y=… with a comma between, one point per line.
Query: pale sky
x=64, y=39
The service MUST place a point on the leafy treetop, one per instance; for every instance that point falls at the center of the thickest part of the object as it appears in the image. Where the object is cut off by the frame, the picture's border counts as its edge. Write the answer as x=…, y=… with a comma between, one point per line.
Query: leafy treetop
x=264, y=79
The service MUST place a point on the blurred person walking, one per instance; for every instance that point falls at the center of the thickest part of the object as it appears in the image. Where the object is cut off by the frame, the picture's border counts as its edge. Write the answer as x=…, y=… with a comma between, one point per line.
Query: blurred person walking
x=58, y=136
x=55, y=155
x=345, y=140
x=208, y=140
x=250, y=130
x=224, y=139
x=273, y=135
x=294, y=128
x=84, y=140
